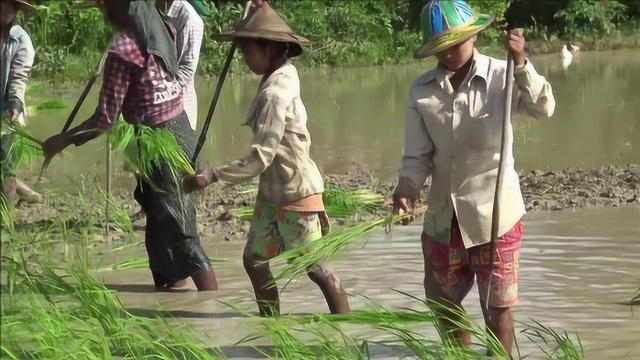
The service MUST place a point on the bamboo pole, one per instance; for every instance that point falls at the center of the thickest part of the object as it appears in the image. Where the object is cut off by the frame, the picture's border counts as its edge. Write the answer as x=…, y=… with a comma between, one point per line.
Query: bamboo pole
x=108, y=197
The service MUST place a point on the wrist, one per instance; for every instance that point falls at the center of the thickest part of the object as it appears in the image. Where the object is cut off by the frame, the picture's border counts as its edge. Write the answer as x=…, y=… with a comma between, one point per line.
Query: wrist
x=519, y=60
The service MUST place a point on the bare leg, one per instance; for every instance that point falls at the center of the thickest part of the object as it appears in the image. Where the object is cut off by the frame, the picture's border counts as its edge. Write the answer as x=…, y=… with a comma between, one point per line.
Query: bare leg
x=205, y=280
x=448, y=313
x=264, y=286
x=331, y=288
x=10, y=190
x=500, y=322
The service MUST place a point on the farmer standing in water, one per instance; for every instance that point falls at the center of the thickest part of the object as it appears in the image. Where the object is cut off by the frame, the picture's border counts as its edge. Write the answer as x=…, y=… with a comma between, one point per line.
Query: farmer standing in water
x=17, y=59
x=289, y=210
x=141, y=82
x=185, y=19
x=453, y=134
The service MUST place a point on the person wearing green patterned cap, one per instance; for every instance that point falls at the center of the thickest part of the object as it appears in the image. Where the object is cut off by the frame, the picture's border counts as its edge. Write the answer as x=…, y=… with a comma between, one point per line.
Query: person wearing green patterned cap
x=453, y=135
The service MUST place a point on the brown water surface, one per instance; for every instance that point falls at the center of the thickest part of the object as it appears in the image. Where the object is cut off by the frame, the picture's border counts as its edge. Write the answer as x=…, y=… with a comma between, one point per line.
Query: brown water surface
x=356, y=115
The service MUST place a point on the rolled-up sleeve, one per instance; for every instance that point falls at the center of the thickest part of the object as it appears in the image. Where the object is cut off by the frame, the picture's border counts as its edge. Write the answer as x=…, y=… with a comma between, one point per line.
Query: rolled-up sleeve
x=417, y=161
x=269, y=128
x=117, y=77
x=19, y=74
x=533, y=93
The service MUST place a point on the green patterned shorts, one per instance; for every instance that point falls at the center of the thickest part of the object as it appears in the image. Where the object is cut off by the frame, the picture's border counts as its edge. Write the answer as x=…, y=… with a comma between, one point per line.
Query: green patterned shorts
x=274, y=230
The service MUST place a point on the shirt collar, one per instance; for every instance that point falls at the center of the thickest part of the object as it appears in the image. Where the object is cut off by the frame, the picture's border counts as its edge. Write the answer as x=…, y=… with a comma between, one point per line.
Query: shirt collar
x=479, y=68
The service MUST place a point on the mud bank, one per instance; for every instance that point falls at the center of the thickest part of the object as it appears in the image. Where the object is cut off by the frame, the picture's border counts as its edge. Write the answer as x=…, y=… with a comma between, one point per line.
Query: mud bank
x=553, y=190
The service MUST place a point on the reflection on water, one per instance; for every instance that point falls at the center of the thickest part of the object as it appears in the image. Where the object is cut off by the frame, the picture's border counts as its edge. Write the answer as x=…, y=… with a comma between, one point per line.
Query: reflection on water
x=576, y=267
x=360, y=112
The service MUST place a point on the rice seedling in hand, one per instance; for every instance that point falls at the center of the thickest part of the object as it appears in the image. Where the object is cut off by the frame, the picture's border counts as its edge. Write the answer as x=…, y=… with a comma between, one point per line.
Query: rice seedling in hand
x=154, y=145
x=300, y=260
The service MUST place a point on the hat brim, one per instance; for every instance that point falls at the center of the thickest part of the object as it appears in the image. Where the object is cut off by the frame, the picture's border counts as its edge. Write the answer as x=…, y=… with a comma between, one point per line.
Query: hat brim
x=293, y=39
x=455, y=36
x=24, y=6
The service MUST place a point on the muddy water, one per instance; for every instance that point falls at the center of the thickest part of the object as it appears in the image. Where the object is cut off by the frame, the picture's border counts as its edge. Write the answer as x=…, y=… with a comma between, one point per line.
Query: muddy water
x=360, y=112
x=576, y=267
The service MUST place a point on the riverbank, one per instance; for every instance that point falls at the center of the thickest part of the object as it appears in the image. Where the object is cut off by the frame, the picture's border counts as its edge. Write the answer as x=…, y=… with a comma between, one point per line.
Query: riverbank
x=223, y=214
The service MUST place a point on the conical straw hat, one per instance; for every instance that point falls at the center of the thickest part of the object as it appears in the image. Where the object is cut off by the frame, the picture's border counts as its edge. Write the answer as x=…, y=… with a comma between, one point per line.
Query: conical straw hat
x=265, y=23
x=24, y=5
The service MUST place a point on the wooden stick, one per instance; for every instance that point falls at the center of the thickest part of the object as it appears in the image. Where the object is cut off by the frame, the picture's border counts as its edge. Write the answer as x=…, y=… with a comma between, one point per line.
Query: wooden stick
x=495, y=215
x=108, y=200
x=216, y=95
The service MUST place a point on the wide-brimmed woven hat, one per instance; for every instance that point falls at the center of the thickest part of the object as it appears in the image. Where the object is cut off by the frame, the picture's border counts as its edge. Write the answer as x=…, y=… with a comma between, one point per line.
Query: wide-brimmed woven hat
x=24, y=5
x=446, y=23
x=265, y=23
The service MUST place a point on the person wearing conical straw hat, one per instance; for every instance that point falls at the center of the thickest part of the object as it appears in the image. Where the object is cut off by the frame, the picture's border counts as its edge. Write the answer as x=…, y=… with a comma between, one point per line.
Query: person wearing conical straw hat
x=289, y=210
x=453, y=135
x=141, y=82
x=17, y=59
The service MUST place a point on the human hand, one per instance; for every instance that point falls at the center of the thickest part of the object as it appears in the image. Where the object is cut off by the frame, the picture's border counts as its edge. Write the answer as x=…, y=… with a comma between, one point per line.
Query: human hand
x=404, y=204
x=199, y=181
x=55, y=144
x=514, y=43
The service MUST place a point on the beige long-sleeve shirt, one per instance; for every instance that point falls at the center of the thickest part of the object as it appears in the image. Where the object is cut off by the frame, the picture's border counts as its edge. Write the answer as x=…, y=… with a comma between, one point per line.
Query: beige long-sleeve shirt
x=454, y=137
x=280, y=150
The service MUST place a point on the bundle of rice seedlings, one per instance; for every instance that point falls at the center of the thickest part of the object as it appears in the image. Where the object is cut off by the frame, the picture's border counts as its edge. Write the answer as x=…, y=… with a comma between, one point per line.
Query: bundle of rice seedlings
x=23, y=151
x=300, y=260
x=338, y=203
x=24, y=148
x=153, y=145
x=51, y=105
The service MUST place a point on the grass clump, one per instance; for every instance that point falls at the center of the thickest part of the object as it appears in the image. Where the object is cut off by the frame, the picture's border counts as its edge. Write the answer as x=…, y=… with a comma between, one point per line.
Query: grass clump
x=51, y=105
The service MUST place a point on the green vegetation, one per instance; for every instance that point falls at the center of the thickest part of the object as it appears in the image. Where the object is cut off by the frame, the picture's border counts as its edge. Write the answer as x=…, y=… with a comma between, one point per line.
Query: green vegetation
x=69, y=42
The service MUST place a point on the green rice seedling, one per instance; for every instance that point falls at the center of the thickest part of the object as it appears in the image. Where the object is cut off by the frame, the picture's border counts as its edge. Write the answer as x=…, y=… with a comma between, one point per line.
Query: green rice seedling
x=244, y=213
x=554, y=345
x=117, y=214
x=353, y=200
x=337, y=203
x=51, y=105
x=154, y=145
x=24, y=148
x=301, y=259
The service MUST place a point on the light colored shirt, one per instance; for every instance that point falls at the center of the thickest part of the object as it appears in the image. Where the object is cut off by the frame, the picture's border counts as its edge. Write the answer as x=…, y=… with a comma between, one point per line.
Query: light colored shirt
x=190, y=31
x=454, y=137
x=280, y=150
x=17, y=59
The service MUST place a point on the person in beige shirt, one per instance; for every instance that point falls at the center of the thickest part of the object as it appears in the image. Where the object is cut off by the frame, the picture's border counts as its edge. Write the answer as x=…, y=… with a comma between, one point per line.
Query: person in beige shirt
x=453, y=134
x=289, y=210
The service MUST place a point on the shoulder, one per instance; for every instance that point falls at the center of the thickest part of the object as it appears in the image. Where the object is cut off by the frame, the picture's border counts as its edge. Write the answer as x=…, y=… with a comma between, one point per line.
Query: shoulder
x=184, y=14
x=20, y=35
x=421, y=82
x=283, y=84
x=125, y=46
